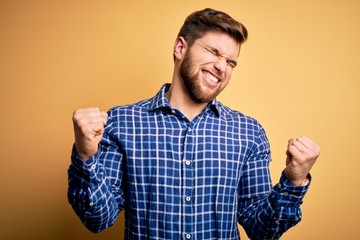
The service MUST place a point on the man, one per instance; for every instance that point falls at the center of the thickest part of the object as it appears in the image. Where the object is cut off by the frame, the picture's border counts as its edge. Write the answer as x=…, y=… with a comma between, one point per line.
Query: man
x=181, y=164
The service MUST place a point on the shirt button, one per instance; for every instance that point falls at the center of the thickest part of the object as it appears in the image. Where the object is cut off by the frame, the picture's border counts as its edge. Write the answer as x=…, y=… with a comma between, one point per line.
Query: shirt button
x=286, y=194
x=93, y=167
x=277, y=222
x=189, y=129
x=173, y=111
x=188, y=199
x=91, y=204
x=188, y=236
x=187, y=162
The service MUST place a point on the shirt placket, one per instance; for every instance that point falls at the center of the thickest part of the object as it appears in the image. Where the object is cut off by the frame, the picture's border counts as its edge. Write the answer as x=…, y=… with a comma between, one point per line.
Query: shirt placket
x=188, y=183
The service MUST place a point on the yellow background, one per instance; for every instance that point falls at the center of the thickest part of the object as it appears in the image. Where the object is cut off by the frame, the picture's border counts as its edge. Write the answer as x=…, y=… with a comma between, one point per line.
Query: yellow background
x=298, y=74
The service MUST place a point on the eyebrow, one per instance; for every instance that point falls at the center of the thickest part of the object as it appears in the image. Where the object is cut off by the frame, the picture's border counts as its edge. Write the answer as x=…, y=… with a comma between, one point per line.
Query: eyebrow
x=218, y=53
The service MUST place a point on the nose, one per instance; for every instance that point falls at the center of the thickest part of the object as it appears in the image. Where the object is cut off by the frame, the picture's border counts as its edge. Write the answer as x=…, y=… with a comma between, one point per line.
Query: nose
x=221, y=64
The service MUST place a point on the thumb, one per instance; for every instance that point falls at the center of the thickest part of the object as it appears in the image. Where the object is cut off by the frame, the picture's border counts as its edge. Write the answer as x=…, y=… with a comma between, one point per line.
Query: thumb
x=288, y=153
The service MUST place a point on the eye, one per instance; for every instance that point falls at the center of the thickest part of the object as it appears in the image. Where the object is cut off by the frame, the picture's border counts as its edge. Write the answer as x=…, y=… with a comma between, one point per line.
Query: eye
x=216, y=53
x=212, y=51
x=231, y=63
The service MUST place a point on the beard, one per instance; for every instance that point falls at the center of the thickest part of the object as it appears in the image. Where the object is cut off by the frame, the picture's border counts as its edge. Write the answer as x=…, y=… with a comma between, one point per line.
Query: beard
x=192, y=82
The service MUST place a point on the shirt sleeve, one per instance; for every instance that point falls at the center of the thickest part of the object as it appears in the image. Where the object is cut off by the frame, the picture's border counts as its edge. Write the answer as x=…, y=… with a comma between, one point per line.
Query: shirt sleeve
x=95, y=186
x=266, y=212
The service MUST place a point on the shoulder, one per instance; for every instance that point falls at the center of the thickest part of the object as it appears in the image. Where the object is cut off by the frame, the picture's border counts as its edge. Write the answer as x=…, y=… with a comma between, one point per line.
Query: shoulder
x=230, y=114
x=250, y=129
x=133, y=109
x=124, y=118
x=246, y=125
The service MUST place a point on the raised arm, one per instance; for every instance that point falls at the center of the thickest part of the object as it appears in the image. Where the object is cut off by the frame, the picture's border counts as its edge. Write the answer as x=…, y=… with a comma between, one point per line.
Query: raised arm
x=95, y=174
x=265, y=212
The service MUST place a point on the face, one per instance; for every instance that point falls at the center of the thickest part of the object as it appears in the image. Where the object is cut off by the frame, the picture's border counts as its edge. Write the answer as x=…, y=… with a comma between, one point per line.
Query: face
x=208, y=64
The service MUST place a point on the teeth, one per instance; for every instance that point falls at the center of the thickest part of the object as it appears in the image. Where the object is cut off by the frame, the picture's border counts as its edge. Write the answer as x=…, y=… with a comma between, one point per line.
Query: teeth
x=212, y=78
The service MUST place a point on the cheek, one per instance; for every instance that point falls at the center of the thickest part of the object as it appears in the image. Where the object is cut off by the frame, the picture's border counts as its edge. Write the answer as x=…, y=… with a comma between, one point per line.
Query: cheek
x=228, y=74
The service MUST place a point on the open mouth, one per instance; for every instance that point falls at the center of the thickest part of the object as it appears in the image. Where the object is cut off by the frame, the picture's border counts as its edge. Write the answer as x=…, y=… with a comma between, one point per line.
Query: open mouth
x=211, y=79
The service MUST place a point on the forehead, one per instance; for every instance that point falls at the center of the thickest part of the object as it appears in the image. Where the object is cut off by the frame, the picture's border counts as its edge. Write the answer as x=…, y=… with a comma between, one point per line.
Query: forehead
x=222, y=42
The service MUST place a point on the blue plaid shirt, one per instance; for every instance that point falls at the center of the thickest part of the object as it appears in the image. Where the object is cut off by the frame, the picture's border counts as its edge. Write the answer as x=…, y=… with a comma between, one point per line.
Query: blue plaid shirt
x=178, y=179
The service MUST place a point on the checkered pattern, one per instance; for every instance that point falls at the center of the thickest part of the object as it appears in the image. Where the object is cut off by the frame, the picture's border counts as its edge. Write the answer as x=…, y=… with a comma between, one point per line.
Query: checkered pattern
x=182, y=180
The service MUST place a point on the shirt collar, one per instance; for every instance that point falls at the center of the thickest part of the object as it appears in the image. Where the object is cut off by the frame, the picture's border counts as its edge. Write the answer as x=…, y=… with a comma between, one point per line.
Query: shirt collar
x=160, y=102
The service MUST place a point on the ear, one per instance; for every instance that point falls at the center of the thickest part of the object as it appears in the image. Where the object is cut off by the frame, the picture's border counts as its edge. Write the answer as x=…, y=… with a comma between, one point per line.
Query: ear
x=180, y=47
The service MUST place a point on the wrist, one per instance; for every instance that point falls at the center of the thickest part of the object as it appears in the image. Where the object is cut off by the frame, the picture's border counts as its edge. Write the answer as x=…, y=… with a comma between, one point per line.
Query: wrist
x=298, y=181
x=84, y=155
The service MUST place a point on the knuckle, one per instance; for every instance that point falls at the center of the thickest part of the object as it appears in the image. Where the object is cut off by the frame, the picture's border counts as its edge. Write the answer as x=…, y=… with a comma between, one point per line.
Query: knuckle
x=75, y=114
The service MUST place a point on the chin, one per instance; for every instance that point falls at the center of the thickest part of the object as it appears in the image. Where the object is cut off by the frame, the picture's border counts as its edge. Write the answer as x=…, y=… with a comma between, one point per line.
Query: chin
x=205, y=96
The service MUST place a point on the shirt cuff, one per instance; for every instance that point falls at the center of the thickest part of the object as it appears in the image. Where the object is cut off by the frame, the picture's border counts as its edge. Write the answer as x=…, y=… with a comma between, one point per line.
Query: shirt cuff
x=290, y=192
x=88, y=166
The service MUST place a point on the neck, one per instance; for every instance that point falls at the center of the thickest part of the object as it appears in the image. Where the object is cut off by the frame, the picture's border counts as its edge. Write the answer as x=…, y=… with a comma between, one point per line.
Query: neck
x=179, y=99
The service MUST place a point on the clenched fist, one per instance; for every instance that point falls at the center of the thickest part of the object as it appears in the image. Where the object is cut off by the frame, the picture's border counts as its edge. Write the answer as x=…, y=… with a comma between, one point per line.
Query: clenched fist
x=301, y=153
x=89, y=128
